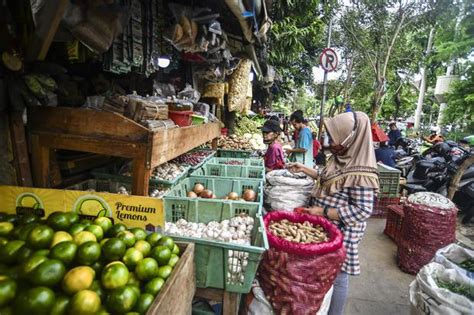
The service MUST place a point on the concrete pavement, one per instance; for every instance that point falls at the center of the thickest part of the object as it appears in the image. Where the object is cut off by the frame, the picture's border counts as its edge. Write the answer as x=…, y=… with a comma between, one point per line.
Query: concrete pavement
x=382, y=288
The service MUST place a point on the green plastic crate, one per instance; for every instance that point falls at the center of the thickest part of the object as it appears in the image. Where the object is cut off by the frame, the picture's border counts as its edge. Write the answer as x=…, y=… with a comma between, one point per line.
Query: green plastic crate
x=232, y=171
x=389, y=180
x=234, y=153
x=220, y=186
x=242, y=162
x=211, y=257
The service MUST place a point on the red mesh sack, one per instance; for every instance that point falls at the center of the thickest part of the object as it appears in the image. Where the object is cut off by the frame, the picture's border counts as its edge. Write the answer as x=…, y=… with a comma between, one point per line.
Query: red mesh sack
x=429, y=224
x=295, y=277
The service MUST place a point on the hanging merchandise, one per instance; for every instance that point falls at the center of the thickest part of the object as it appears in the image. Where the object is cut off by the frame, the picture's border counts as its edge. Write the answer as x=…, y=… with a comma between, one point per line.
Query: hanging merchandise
x=238, y=86
x=429, y=224
x=306, y=254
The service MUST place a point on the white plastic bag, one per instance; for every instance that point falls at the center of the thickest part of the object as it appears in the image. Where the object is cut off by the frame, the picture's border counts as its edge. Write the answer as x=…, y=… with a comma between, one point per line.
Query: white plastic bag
x=452, y=256
x=286, y=191
x=426, y=297
x=261, y=306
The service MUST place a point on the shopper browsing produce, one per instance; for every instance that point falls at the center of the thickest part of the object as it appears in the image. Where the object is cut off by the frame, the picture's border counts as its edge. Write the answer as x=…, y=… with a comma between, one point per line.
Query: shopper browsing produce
x=303, y=151
x=348, y=185
x=274, y=158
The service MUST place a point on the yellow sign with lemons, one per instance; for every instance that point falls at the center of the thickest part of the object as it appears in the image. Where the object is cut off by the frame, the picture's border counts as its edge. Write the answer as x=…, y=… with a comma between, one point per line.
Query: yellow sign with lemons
x=133, y=211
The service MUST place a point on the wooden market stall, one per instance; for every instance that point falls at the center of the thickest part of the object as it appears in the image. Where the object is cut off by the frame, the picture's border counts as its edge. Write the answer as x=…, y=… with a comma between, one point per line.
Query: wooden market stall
x=109, y=134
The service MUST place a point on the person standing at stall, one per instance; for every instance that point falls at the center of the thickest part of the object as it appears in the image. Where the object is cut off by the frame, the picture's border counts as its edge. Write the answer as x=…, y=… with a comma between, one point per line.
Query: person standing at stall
x=303, y=151
x=346, y=192
x=274, y=157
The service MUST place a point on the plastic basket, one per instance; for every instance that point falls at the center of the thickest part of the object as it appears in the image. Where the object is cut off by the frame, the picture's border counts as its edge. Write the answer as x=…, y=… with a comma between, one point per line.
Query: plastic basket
x=233, y=153
x=389, y=179
x=212, y=257
x=237, y=161
x=230, y=171
x=380, y=206
x=393, y=226
x=197, y=120
x=219, y=186
x=207, y=158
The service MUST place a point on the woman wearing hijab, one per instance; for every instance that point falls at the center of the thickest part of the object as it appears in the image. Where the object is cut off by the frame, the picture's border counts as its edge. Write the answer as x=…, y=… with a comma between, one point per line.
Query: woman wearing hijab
x=346, y=191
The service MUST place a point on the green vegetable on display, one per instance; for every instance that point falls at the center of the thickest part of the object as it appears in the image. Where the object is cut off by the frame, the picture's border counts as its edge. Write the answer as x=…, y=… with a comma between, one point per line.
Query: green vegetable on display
x=468, y=264
x=457, y=288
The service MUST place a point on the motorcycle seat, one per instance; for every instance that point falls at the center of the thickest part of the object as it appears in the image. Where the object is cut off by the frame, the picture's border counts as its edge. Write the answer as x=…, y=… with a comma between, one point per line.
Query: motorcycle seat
x=413, y=188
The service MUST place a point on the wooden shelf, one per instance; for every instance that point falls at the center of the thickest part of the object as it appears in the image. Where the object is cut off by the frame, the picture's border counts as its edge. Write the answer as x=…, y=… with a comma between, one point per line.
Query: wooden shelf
x=109, y=134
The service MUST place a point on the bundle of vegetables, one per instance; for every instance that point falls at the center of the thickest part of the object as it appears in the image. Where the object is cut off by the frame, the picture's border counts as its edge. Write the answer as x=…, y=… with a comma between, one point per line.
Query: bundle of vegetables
x=69, y=265
x=237, y=230
x=248, y=125
x=295, y=275
x=422, y=233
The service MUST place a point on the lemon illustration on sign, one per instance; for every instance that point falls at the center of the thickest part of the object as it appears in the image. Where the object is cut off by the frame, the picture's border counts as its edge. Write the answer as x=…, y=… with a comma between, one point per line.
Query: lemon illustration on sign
x=29, y=200
x=92, y=205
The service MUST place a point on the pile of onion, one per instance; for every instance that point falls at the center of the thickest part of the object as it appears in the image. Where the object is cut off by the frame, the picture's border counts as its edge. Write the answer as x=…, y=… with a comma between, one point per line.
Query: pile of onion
x=249, y=195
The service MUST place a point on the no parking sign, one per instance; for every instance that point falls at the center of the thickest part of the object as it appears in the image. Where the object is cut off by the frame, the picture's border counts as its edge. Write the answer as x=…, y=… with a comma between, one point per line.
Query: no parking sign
x=328, y=59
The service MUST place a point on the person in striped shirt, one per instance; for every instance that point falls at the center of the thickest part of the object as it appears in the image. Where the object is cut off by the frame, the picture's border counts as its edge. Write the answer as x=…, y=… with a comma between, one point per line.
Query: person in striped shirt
x=346, y=191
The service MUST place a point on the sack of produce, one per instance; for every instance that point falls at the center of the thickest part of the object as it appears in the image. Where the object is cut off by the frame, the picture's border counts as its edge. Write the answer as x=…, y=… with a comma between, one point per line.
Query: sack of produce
x=456, y=257
x=438, y=290
x=429, y=224
x=286, y=191
x=306, y=254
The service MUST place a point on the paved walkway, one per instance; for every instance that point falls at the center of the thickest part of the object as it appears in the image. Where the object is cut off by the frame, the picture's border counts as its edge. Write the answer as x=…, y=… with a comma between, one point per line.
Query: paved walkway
x=381, y=288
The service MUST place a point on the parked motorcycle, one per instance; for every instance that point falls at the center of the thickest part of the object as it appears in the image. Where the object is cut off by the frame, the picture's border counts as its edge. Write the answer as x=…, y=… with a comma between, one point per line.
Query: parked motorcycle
x=435, y=173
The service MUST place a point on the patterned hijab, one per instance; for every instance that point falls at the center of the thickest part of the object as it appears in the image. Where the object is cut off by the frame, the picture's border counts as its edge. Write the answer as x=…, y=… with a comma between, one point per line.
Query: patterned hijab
x=357, y=166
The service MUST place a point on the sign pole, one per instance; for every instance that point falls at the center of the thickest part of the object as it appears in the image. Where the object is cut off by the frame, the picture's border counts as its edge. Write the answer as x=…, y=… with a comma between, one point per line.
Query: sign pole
x=325, y=83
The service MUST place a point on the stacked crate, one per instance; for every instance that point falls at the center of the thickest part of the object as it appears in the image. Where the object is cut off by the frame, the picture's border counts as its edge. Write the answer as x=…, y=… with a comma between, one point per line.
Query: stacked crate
x=389, y=179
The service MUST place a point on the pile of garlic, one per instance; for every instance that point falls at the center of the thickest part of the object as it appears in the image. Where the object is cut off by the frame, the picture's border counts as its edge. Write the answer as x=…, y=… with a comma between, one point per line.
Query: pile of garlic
x=168, y=171
x=236, y=230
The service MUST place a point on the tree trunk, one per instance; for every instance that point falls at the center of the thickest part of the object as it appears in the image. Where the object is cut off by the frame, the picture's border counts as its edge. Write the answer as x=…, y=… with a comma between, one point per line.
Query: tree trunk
x=398, y=103
x=377, y=100
x=453, y=185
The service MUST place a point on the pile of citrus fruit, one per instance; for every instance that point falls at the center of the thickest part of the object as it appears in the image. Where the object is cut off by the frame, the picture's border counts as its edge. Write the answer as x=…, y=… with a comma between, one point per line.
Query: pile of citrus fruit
x=68, y=265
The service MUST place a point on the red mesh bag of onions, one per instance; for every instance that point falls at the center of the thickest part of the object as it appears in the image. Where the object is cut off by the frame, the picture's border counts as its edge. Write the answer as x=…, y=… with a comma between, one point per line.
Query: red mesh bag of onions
x=306, y=253
x=429, y=224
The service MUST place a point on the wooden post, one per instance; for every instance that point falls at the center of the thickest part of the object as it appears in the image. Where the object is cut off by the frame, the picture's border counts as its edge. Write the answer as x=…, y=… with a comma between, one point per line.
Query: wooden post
x=141, y=176
x=52, y=13
x=230, y=303
x=453, y=185
x=40, y=162
x=20, y=150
